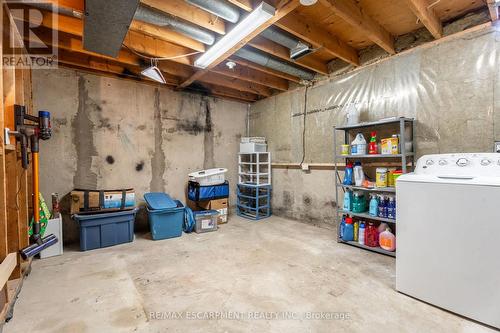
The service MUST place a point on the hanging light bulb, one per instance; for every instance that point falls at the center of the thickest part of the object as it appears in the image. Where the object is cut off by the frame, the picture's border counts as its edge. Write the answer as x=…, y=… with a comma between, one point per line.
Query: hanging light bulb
x=308, y=2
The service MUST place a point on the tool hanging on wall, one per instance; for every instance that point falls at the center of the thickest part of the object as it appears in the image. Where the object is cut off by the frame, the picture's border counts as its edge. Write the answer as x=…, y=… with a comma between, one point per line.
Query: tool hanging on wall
x=29, y=130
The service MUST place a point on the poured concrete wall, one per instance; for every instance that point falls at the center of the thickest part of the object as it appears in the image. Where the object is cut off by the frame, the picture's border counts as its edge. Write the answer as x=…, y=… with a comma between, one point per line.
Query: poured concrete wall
x=112, y=134
x=451, y=88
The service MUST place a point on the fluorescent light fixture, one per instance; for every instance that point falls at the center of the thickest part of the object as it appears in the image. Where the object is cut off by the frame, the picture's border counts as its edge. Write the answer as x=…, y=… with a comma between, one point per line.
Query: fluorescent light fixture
x=154, y=73
x=249, y=24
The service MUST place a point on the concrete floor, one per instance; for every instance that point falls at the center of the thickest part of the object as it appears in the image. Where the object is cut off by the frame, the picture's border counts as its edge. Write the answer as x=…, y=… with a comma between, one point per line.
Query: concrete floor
x=260, y=271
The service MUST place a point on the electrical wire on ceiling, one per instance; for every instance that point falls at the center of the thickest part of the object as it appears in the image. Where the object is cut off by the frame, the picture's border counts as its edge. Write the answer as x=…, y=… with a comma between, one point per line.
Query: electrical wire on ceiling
x=159, y=58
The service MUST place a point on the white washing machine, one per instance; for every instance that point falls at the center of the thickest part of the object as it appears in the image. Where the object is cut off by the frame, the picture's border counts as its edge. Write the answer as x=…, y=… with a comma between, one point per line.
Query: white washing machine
x=448, y=234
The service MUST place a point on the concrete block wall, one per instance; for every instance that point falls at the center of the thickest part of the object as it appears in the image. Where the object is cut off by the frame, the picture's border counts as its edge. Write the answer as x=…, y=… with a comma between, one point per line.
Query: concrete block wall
x=450, y=88
x=110, y=133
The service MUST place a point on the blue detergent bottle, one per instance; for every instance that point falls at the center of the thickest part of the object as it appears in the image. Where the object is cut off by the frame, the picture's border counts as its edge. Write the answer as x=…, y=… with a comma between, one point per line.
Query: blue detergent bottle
x=373, y=209
x=348, y=174
x=347, y=201
x=348, y=235
x=391, y=208
x=382, y=207
x=342, y=227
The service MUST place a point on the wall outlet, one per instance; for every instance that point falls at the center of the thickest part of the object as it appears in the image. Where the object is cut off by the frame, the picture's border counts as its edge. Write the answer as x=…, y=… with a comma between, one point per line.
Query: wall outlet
x=497, y=146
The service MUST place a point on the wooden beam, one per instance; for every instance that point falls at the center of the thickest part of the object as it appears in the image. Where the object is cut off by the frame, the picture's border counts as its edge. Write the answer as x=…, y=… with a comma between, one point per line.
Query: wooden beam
x=428, y=17
x=166, y=35
x=281, y=12
x=251, y=75
x=246, y=5
x=493, y=9
x=319, y=38
x=237, y=84
x=283, y=53
x=147, y=45
x=231, y=93
x=267, y=70
x=192, y=14
x=350, y=12
x=6, y=267
x=99, y=64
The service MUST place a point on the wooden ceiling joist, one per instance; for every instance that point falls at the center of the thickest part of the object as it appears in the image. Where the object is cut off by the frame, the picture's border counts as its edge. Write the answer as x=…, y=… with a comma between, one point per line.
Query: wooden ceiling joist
x=167, y=35
x=319, y=38
x=350, y=12
x=230, y=93
x=150, y=46
x=99, y=64
x=237, y=84
x=283, y=53
x=493, y=9
x=252, y=75
x=189, y=13
x=427, y=16
x=284, y=9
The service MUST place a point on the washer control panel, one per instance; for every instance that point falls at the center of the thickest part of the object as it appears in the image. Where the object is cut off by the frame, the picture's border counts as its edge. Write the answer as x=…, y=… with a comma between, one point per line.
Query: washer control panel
x=476, y=164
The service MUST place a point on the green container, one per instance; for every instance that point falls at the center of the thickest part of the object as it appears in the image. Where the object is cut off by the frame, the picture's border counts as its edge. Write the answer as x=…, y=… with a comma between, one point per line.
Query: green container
x=359, y=203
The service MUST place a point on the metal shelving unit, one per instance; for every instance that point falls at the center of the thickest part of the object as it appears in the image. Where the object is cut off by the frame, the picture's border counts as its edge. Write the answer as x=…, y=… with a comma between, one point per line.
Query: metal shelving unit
x=406, y=159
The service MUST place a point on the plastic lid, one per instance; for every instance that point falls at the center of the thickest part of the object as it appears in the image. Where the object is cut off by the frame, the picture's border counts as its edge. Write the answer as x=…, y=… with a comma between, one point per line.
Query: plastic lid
x=159, y=200
x=349, y=165
x=43, y=114
x=348, y=220
x=357, y=163
x=398, y=172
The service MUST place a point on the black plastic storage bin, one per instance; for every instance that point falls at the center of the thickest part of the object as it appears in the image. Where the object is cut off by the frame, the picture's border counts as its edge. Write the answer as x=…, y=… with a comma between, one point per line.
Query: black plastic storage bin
x=105, y=229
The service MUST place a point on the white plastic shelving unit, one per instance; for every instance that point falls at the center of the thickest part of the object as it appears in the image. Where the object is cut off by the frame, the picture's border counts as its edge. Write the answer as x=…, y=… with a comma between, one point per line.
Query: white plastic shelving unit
x=254, y=168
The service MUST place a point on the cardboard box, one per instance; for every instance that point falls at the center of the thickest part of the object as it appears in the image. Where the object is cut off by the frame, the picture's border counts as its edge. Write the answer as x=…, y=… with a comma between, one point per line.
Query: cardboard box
x=390, y=146
x=101, y=200
x=220, y=205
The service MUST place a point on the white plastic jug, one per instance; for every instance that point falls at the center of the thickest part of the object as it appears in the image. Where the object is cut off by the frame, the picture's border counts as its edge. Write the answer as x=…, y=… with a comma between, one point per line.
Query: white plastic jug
x=353, y=114
x=359, y=144
x=359, y=175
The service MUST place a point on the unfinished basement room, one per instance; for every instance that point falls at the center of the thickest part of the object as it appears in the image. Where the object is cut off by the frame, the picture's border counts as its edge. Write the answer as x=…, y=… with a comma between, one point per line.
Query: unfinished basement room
x=250, y=166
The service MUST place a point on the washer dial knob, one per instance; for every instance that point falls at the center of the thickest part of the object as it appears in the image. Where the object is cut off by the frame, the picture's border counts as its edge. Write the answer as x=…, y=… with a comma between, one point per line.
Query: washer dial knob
x=485, y=162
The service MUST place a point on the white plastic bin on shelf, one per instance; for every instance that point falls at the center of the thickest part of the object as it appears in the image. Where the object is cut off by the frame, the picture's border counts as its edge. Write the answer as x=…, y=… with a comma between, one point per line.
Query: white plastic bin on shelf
x=252, y=147
x=209, y=177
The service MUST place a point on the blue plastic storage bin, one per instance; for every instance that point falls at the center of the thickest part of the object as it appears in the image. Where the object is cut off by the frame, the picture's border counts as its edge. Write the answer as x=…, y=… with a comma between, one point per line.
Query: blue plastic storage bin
x=166, y=216
x=105, y=229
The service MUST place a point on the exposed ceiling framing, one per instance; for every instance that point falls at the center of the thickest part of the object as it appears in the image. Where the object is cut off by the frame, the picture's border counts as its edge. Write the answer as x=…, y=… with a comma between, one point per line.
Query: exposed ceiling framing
x=334, y=29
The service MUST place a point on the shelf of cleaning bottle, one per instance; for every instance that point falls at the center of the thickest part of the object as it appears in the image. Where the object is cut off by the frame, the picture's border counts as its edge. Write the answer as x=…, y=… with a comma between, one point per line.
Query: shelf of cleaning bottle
x=374, y=156
x=374, y=189
x=374, y=249
x=375, y=123
x=369, y=217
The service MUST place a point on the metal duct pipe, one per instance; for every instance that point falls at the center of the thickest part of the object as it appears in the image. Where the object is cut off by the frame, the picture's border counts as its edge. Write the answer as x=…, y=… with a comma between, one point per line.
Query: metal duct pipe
x=162, y=19
x=280, y=38
x=268, y=61
x=218, y=7
x=297, y=47
x=53, y=8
